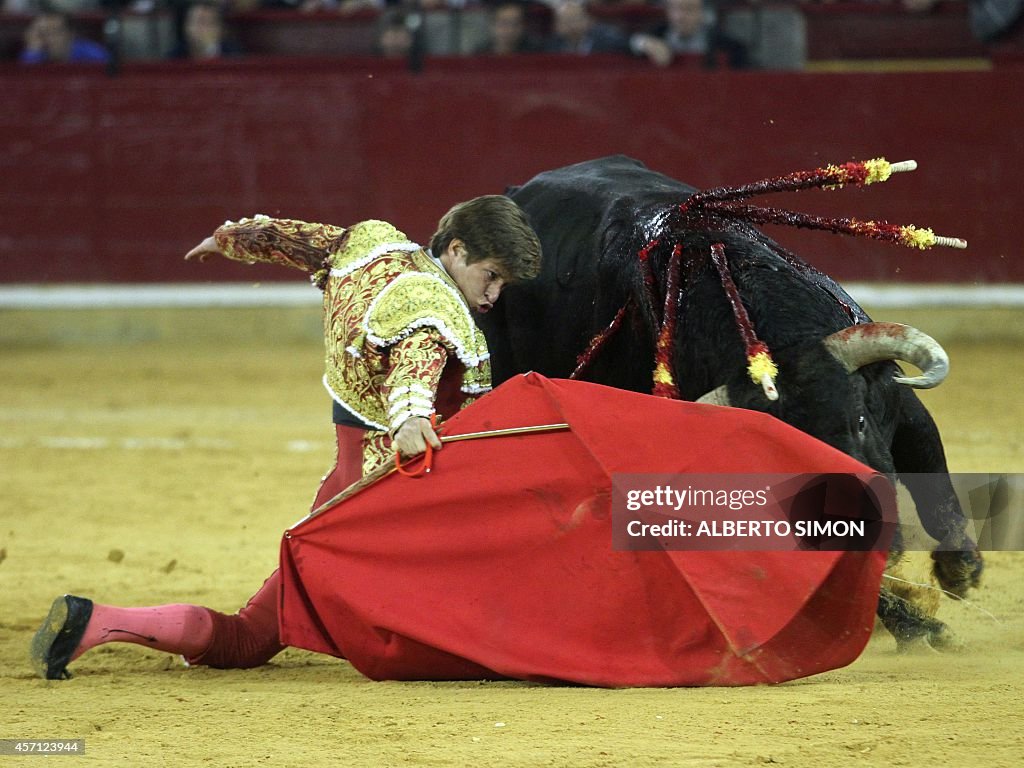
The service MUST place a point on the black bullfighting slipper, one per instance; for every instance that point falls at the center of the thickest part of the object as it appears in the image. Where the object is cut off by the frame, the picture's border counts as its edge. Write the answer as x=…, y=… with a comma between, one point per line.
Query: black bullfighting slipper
x=59, y=635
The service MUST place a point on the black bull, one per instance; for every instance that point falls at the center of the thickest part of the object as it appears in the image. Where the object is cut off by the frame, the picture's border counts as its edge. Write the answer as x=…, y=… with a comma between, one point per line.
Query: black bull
x=595, y=217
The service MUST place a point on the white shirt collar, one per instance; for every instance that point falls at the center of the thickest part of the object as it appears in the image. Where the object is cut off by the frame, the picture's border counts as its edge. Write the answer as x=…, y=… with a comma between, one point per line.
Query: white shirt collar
x=438, y=262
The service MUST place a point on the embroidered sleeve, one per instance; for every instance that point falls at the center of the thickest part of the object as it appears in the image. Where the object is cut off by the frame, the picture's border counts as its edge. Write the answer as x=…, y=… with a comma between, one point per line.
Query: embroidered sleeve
x=415, y=366
x=287, y=242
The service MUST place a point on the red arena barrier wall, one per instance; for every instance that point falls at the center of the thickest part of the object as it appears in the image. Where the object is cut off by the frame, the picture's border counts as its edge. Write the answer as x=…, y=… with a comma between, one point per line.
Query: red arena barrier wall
x=112, y=179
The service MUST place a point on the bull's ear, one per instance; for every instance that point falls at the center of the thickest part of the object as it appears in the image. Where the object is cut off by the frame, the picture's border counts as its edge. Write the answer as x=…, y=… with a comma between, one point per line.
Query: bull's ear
x=717, y=396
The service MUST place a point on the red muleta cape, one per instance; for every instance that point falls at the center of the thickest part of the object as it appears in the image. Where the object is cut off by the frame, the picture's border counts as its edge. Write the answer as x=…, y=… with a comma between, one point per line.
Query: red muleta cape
x=499, y=563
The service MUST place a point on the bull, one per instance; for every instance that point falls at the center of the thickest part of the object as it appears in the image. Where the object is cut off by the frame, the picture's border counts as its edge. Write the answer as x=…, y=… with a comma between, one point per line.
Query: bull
x=609, y=228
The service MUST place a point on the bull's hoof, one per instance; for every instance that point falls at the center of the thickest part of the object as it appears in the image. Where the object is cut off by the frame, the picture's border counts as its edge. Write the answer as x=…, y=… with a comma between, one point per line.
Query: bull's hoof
x=957, y=572
x=915, y=647
x=913, y=629
x=928, y=636
x=946, y=641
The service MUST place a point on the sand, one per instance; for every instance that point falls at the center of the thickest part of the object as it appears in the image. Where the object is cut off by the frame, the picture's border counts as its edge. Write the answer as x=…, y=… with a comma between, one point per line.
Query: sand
x=154, y=457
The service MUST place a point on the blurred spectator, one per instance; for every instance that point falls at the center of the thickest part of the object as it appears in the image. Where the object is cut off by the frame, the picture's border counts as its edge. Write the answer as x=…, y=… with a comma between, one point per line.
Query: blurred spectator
x=203, y=35
x=576, y=31
x=312, y=6
x=352, y=6
x=349, y=6
x=508, y=33
x=918, y=6
x=55, y=6
x=691, y=29
x=394, y=38
x=50, y=38
x=989, y=20
x=993, y=19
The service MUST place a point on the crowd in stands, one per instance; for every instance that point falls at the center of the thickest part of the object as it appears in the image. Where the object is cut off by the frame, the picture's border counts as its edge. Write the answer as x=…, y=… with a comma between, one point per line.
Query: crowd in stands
x=668, y=31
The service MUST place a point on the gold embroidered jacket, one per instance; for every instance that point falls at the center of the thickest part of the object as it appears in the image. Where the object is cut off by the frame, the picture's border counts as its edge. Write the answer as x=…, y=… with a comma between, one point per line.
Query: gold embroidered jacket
x=396, y=327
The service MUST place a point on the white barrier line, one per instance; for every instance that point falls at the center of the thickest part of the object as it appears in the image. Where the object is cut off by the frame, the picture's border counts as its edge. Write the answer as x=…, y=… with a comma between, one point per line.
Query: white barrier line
x=172, y=295
x=908, y=295
x=85, y=443
x=210, y=295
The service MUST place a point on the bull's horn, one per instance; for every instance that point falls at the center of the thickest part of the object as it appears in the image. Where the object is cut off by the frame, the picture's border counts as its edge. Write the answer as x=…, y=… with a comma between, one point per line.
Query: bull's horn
x=717, y=396
x=873, y=342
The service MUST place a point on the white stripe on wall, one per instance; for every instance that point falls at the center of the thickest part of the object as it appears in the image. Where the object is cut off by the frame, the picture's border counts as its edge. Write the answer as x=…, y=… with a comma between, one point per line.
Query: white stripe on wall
x=110, y=296
x=103, y=296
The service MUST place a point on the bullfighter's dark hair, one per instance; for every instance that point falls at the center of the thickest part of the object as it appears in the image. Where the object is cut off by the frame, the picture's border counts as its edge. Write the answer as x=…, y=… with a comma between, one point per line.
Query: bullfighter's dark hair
x=492, y=227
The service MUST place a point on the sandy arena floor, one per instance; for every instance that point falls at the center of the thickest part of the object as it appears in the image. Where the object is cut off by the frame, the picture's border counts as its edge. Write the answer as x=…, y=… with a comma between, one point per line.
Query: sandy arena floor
x=157, y=456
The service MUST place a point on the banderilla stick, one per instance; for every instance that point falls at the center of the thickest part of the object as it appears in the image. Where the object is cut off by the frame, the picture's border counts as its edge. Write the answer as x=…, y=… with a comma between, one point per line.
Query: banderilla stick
x=386, y=469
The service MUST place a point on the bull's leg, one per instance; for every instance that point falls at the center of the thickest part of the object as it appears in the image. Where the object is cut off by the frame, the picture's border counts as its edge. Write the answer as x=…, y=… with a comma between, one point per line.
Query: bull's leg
x=907, y=618
x=921, y=464
x=910, y=622
x=911, y=626
x=926, y=597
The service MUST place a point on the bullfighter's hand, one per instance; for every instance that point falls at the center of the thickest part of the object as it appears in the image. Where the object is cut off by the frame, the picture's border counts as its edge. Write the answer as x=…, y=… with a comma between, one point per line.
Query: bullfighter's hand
x=412, y=437
x=206, y=248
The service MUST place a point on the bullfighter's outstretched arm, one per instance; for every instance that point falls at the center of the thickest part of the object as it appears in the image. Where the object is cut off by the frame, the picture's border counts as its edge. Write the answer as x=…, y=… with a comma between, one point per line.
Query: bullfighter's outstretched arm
x=288, y=242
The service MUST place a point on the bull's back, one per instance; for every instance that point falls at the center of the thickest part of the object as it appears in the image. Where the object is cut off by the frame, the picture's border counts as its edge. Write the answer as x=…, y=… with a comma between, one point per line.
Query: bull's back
x=592, y=218
x=588, y=216
x=598, y=185
x=580, y=210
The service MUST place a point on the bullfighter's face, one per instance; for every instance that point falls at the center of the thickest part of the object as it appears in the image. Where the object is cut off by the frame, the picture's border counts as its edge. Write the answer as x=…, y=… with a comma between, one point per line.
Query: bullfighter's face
x=481, y=282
